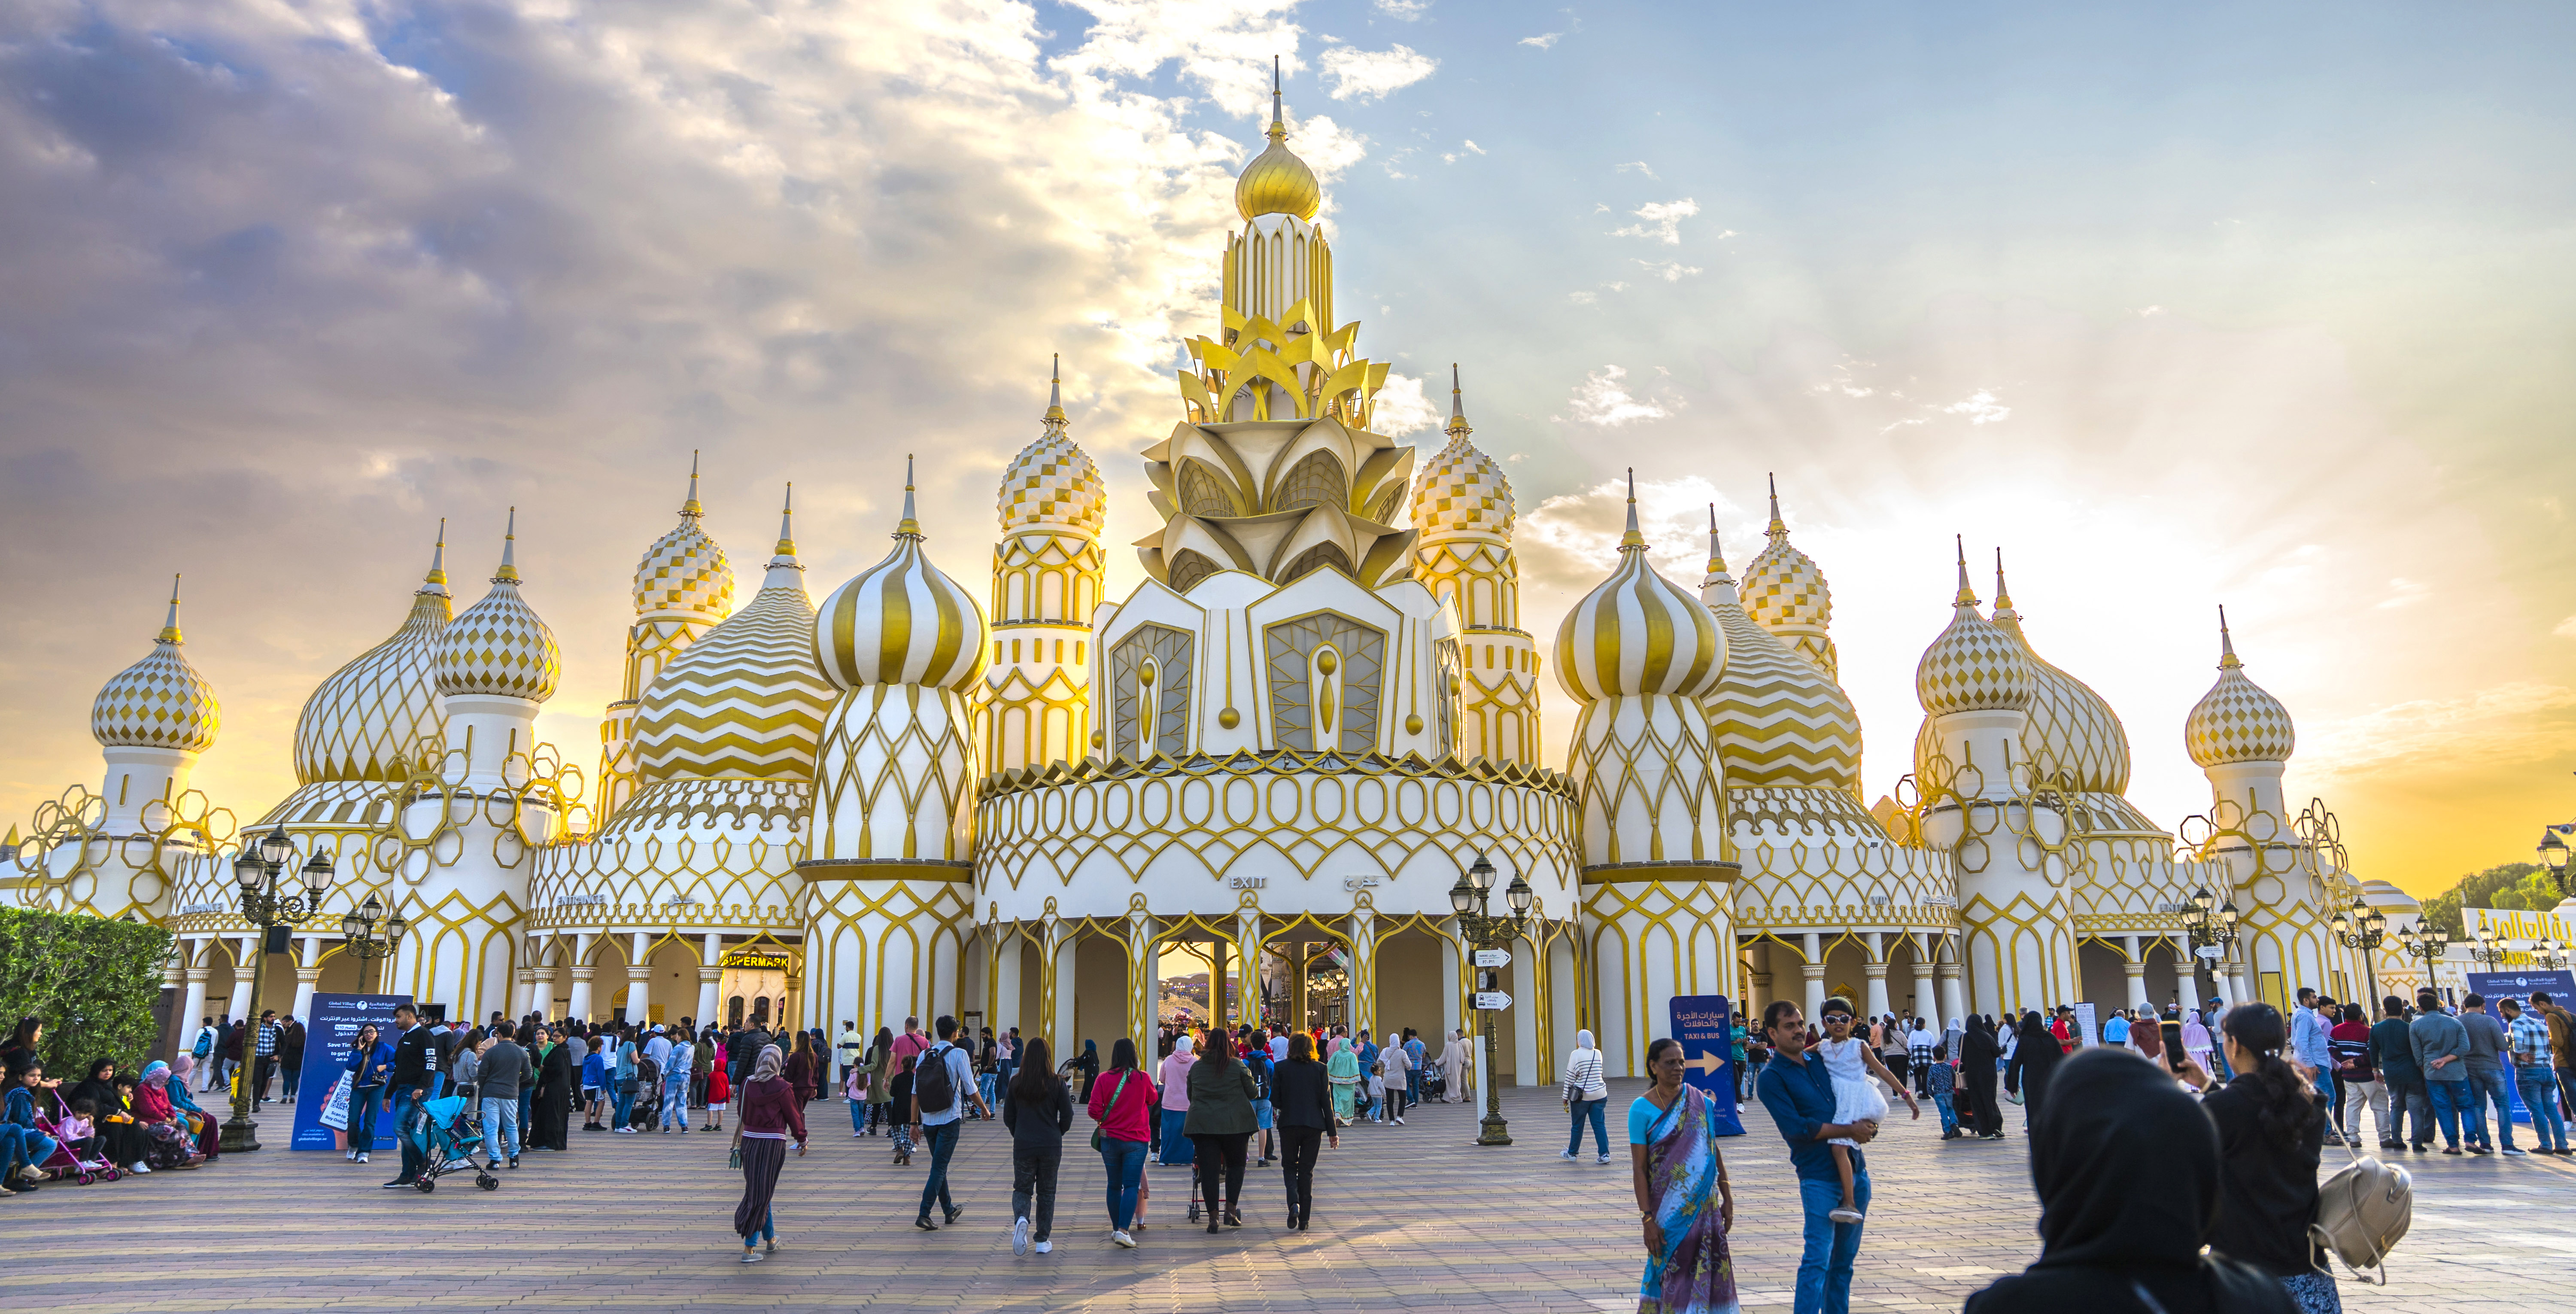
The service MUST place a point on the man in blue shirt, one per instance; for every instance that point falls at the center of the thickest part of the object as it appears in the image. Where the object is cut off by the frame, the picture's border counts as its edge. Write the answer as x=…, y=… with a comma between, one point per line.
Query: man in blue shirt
x=1800, y=1095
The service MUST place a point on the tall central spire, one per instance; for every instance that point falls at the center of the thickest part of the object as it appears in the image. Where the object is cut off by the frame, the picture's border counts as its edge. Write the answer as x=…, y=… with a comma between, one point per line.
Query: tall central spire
x=1278, y=116
x=436, y=580
x=910, y=528
x=1967, y=596
x=170, y=627
x=1277, y=182
x=509, y=573
x=1632, y=540
x=691, y=507
x=1458, y=428
x=1056, y=419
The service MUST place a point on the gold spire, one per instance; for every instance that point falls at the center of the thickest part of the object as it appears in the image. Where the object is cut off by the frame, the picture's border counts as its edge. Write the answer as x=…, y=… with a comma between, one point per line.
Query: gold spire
x=1779, y=528
x=2226, y=643
x=1716, y=554
x=910, y=528
x=691, y=507
x=1458, y=429
x=2004, y=614
x=1967, y=595
x=1632, y=541
x=170, y=627
x=787, y=524
x=436, y=580
x=1277, y=182
x=509, y=552
x=1055, y=416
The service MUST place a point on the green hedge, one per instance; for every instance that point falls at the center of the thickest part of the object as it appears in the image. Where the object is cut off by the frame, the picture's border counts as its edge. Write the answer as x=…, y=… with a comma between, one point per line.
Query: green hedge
x=92, y=980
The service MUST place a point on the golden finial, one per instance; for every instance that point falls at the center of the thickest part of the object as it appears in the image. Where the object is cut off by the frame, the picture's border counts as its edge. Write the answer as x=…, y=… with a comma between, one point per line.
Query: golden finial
x=2004, y=613
x=2226, y=643
x=1967, y=596
x=1716, y=554
x=509, y=552
x=691, y=507
x=910, y=528
x=1458, y=429
x=436, y=580
x=1632, y=541
x=1055, y=417
x=1278, y=118
x=1779, y=528
x=1276, y=181
x=787, y=524
x=170, y=627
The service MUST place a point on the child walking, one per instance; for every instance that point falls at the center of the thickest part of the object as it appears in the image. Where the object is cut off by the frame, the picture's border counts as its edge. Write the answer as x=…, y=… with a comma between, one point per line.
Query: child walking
x=719, y=1091
x=1852, y=1063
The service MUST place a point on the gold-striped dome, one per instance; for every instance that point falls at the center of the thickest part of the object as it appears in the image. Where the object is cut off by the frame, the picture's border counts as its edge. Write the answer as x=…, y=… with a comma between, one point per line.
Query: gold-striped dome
x=1053, y=484
x=499, y=645
x=1638, y=633
x=2237, y=721
x=363, y=716
x=1785, y=592
x=746, y=701
x=902, y=620
x=2071, y=728
x=1463, y=490
x=1778, y=720
x=1973, y=666
x=685, y=573
x=160, y=701
x=1277, y=182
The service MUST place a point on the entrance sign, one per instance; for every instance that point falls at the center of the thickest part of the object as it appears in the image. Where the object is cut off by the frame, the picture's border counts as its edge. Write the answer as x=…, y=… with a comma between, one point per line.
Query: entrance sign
x=1705, y=1025
x=322, y=1101
x=1493, y=958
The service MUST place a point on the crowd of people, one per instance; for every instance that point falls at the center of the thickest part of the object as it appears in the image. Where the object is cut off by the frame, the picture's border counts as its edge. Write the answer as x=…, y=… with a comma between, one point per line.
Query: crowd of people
x=106, y=1123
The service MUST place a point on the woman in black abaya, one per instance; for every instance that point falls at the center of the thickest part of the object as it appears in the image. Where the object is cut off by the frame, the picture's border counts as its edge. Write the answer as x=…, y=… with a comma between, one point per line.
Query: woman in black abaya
x=550, y=1111
x=2126, y=1166
x=2034, y=1060
x=1978, y=1051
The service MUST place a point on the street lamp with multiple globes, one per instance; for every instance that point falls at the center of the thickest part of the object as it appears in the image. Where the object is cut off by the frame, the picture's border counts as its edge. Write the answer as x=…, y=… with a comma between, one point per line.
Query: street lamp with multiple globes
x=2210, y=926
x=2490, y=949
x=359, y=927
x=2549, y=954
x=2430, y=943
x=1469, y=898
x=261, y=862
x=2364, y=928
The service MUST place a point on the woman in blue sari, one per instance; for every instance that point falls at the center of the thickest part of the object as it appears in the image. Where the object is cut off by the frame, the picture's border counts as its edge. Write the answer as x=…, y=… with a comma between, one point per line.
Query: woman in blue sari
x=1682, y=1192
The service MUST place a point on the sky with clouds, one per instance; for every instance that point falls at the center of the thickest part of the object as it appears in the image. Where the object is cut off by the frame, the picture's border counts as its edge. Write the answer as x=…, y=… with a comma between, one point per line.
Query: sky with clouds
x=2181, y=307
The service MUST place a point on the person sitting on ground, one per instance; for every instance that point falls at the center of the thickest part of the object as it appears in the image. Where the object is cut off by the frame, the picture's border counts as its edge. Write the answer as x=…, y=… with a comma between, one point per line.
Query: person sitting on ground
x=112, y=1119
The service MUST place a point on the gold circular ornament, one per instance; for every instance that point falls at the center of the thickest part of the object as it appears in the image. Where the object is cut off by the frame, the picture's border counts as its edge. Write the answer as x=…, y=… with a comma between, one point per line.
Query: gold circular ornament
x=1413, y=724
x=1229, y=718
x=1328, y=661
x=1145, y=673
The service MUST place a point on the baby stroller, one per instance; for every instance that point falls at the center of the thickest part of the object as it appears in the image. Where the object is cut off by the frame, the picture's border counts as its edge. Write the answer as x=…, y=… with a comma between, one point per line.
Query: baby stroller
x=447, y=1141
x=64, y=1161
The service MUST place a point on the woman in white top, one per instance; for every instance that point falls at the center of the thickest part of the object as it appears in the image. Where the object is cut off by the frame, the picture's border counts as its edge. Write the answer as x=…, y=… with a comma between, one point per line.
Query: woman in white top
x=1457, y=1064
x=1585, y=1097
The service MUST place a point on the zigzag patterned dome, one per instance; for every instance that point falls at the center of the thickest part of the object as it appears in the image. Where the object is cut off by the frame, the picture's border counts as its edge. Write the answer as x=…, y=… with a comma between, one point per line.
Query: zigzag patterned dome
x=499, y=646
x=685, y=573
x=363, y=716
x=1973, y=666
x=1638, y=633
x=1462, y=491
x=902, y=620
x=160, y=701
x=1779, y=721
x=1053, y=483
x=746, y=701
x=2071, y=728
x=2237, y=721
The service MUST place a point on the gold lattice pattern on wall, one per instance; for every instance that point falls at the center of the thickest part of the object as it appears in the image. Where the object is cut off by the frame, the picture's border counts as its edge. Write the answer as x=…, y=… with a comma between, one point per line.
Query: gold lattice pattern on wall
x=1648, y=780
x=66, y=862
x=1813, y=860
x=361, y=718
x=894, y=777
x=684, y=852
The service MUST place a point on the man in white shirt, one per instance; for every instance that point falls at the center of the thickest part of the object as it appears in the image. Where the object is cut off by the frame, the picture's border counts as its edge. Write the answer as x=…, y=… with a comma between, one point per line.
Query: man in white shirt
x=658, y=1049
x=1279, y=1047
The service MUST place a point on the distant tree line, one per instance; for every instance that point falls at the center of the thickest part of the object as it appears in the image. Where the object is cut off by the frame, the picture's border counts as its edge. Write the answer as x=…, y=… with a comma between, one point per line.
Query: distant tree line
x=2522, y=886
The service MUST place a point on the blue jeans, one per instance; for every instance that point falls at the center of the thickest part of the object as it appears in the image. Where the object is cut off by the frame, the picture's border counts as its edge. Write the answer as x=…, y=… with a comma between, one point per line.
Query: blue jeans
x=1949, y=1114
x=363, y=1103
x=501, y=1127
x=1125, y=1163
x=942, y=1139
x=2540, y=1095
x=2486, y=1088
x=858, y=1115
x=1600, y=1133
x=407, y=1113
x=1825, y=1269
x=621, y=1100
x=768, y=1229
x=675, y=1101
x=2451, y=1107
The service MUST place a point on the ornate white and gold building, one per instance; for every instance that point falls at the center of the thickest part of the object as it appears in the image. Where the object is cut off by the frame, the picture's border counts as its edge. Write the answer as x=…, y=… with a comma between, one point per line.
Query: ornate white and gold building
x=1271, y=760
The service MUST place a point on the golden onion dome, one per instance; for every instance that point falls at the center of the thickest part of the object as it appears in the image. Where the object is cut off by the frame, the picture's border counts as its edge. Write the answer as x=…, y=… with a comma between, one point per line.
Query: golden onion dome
x=1052, y=483
x=902, y=620
x=1778, y=720
x=2071, y=728
x=1785, y=592
x=1638, y=633
x=1974, y=665
x=1463, y=490
x=684, y=573
x=1277, y=182
x=746, y=701
x=160, y=701
x=364, y=716
x=499, y=645
x=2236, y=721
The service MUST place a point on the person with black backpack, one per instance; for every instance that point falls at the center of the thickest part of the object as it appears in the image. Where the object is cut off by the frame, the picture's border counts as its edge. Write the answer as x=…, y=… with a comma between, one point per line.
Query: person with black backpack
x=943, y=1080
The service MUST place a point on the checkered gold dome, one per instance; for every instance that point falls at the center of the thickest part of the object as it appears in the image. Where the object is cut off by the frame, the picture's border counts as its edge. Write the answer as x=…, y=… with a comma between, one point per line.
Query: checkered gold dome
x=2237, y=721
x=1784, y=588
x=902, y=620
x=1463, y=490
x=1638, y=633
x=1052, y=483
x=1975, y=665
x=363, y=718
x=499, y=645
x=160, y=701
x=685, y=573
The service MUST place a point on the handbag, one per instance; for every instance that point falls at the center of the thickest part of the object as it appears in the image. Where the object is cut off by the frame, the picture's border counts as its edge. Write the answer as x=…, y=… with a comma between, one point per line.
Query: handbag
x=2363, y=1211
x=1114, y=1093
x=733, y=1161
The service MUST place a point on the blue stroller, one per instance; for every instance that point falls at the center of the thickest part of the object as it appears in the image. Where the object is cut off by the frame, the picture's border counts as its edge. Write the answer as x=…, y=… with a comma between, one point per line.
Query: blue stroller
x=447, y=1141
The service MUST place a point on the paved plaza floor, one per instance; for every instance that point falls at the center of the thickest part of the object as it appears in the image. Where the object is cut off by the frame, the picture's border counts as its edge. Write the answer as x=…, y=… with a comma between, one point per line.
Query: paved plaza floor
x=1408, y=1217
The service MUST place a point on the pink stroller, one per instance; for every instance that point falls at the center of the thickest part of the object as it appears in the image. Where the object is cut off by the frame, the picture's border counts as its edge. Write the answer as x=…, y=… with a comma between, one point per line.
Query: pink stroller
x=63, y=1162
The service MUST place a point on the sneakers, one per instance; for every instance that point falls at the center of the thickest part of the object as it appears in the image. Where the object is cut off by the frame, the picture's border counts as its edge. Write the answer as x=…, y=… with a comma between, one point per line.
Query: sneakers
x=925, y=1224
x=952, y=1215
x=625, y=1131
x=351, y=1156
x=1567, y=1155
x=362, y=1156
x=1119, y=1237
x=1020, y=1237
x=1603, y=1159
x=399, y=1184
x=773, y=1245
x=750, y=1256
x=514, y=1161
x=1046, y=1247
x=140, y=1167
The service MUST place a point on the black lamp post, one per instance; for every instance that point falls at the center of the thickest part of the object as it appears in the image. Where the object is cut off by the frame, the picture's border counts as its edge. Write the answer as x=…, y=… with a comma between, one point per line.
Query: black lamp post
x=1490, y=934
x=2490, y=948
x=359, y=928
x=261, y=862
x=2553, y=859
x=2211, y=925
x=2429, y=943
x=2364, y=929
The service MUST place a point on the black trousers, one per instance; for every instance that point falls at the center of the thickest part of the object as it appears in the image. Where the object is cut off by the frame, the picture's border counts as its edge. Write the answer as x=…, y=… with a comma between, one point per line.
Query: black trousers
x=260, y=1067
x=1981, y=1094
x=1298, y=1148
x=1033, y=1173
x=1220, y=1156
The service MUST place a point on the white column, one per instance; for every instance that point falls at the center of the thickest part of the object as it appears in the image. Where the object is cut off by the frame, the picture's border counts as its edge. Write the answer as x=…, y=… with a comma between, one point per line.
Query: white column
x=1058, y=967
x=1453, y=1004
x=1814, y=968
x=1757, y=984
x=1005, y=1004
x=195, y=1007
x=1928, y=1007
x=711, y=971
x=523, y=990
x=243, y=966
x=581, y=974
x=1952, y=1002
x=1876, y=972
x=2136, y=967
x=1363, y=980
x=639, y=981
x=541, y=998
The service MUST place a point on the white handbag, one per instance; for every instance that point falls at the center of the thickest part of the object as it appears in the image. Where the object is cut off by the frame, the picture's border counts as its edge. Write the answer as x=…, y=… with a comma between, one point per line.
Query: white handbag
x=2363, y=1211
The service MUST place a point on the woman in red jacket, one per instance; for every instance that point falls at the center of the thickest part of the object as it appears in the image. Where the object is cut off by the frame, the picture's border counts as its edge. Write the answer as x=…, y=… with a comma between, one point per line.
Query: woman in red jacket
x=1122, y=1102
x=770, y=1110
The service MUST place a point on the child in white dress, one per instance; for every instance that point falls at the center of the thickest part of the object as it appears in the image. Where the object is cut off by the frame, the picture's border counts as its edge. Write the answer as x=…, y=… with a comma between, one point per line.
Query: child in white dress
x=1852, y=1063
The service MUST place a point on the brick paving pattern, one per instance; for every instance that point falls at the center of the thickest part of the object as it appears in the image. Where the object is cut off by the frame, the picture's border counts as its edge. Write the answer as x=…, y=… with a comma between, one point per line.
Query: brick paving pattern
x=1408, y=1217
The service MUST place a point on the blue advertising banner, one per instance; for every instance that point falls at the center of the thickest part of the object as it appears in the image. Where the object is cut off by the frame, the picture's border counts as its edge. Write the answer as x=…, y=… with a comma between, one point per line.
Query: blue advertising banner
x=2517, y=984
x=327, y=1037
x=1705, y=1024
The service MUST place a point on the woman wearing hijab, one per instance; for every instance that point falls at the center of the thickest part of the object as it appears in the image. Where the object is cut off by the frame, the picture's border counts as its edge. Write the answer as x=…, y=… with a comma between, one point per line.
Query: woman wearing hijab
x=202, y=1127
x=119, y=1137
x=770, y=1111
x=1087, y=1066
x=2271, y=1133
x=2034, y=1060
x=2128, y=1178
x=1585, y=1097
x=1682, y=1190
x=2196, y=1040
x=1978, y=1051
x=550, y=1107
x=1218, y=1123
x=803, y=1068
x=1342, y=1067
x=1455, y=1056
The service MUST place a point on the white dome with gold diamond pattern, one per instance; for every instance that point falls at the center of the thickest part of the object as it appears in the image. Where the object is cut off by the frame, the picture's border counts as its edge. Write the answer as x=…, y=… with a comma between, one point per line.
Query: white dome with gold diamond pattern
x=1974, y=665
x=1463, y=490
x=160, y=701
x=365, y=716
x=685, y=573
x=1053, y=484
x=499, y=646
x=2237, y=721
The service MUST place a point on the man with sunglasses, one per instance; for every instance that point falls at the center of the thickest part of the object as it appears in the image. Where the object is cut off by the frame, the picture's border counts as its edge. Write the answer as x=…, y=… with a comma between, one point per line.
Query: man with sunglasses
x=1800, y=1095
